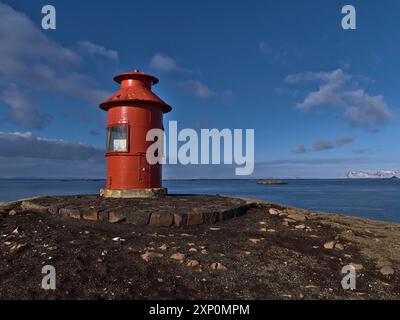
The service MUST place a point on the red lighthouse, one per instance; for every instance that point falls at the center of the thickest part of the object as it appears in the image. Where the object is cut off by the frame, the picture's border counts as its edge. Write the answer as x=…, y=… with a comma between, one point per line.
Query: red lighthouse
x=132, y=111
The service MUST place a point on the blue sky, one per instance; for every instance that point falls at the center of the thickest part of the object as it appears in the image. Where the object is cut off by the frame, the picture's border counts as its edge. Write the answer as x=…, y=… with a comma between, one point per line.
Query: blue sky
x=322, y=100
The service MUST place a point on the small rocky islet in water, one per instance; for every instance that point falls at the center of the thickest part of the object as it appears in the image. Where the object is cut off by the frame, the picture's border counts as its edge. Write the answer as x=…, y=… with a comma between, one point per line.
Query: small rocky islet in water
x=270, y=181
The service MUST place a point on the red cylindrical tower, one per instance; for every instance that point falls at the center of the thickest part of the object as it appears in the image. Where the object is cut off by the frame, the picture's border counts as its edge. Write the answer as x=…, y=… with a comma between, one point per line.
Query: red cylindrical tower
x=132, y=111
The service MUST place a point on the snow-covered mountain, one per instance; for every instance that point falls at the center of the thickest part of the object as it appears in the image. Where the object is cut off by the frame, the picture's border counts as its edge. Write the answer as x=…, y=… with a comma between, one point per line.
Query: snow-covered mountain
x=378, y=174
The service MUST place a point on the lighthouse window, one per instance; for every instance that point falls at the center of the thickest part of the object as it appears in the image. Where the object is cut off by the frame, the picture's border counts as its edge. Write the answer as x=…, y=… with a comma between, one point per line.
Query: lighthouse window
x=117, y=140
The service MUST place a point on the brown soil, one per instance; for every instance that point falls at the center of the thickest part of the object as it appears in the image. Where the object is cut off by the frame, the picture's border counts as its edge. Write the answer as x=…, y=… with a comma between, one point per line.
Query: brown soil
x=243, y=258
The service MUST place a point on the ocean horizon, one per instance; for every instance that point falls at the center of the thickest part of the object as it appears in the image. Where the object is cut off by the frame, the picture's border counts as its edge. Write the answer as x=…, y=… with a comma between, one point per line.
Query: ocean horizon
x=376, y=199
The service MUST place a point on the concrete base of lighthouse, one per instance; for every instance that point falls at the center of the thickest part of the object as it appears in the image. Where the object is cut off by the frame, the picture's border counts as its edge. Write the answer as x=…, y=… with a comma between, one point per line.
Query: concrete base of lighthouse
x=134, y=193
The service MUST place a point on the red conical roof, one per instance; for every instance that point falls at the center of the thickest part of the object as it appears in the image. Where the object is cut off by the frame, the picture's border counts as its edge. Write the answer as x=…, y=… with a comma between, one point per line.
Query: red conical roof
x=135, y=90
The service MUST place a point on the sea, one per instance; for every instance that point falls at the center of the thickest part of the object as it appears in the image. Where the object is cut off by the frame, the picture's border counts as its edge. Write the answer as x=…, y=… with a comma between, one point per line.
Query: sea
x=377, y=199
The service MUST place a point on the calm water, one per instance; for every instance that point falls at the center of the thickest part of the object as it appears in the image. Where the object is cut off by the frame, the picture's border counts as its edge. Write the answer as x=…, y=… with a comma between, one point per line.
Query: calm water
x=374, y=199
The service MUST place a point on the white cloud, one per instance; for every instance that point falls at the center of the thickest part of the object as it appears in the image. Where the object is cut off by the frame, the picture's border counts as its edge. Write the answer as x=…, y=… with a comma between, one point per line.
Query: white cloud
x=95, y=49
x=274, y=55
x=265, y=47
x=366, y=111
x=163, y=63
x=336, y=90
x=197, y=88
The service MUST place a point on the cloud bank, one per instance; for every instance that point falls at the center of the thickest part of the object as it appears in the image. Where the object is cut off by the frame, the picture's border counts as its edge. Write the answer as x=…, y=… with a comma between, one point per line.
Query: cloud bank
x=27, y=145
x=197, y=88
x=97, y=50
x=322, y=145
x=338, y=90
x=29, y=59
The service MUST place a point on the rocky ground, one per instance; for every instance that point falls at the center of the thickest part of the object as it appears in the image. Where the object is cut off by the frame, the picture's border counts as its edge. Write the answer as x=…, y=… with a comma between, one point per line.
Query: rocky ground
x=271, y=252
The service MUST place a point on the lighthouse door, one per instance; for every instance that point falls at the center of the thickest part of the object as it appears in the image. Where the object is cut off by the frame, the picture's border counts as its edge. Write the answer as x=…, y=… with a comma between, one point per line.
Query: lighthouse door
x=144, y=170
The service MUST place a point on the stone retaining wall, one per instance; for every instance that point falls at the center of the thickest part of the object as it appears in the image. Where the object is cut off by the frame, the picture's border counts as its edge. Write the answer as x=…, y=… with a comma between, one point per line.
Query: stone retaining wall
x=166, y=211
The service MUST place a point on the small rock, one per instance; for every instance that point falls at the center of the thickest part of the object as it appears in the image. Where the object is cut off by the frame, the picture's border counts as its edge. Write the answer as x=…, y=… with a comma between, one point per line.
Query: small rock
x=192, y=250
x=155, y=234
x=289, y=220
x=263, y=223
x=255, y=241
x=271, y=230
x=180, y=257
x=285, y=224
x=262, y=229
x=118, y=239
x=215, y=229
x=17, y=230
x=18, y=247
x=160, y=280
x=339, y=246
x=187, y=234
x=163, y=247
x=247, y=253
x=150, y=255
x=204, y=251
x=273, y=212
x=32, y=206
x=329, y=245
x=193, y=264
x=311, y=286
x=300, y=226
x=218, y=266
x=12, y=213
x=297, y=217
x=387, y=270
x=357, y=266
